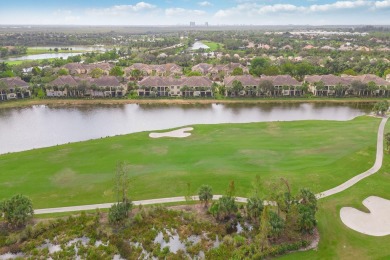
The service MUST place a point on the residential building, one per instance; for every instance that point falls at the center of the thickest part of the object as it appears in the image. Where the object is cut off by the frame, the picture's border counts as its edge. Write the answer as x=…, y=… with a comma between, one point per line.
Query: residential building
x=14, y=88
x=69, y=86
x=168, y=86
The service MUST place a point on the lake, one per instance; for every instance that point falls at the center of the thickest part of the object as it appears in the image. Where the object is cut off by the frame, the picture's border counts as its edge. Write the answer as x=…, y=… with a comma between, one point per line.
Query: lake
x=41, y=126
x=43, y=56
x=88, y=48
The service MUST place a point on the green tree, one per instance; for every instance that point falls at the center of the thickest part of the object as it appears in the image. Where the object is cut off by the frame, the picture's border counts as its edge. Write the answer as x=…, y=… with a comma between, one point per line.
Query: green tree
x=119, y=212
x=237, y=71
x=237, y=87
x=264, y=231
x=307, y=208
x=276, y=224
x=254, y=207
x=63, y=72
x=267, y=87
x=258, y=65
x=193, y=74
x=227, y=205
x=122, y=182
x=205, y=194
x=381, y=107
x=136, y=74
x=116, y=71
x=350, y=72
x=96, y=73
x=387, y=138
x=17, y=210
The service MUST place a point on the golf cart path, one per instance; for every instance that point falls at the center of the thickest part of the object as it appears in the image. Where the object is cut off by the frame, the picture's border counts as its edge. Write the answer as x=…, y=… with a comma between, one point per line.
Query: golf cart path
x=369, y=172
x=340, y=188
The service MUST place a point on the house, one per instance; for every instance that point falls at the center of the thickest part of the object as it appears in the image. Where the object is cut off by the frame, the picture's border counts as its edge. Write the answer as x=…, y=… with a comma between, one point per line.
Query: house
x=218, y=71
x=169, y=69
x=203, y=68
x=75, y=68
x=168, y=86
x=13, y=88
x=61, y=86
x=308, y=47
x=197, y=87
x=79, y=68
x=328, y=48
x=106, y=86
x=325, y=85
x=104, y=66
x=249, y=83
x=382, y=86
x=69, y=86
x=285, y=85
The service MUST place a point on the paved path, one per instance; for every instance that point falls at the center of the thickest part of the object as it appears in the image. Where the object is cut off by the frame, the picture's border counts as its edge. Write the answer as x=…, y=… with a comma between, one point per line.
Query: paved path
x=340, y=188
x=371, y=171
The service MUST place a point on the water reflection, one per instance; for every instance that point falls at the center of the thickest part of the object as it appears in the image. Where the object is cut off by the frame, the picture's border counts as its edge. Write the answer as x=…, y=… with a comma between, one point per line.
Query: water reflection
x=42, y=126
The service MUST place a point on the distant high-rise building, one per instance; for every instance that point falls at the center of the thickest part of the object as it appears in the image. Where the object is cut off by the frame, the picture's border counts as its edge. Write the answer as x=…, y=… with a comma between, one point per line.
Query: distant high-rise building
x=206, y=24
x=192, y=24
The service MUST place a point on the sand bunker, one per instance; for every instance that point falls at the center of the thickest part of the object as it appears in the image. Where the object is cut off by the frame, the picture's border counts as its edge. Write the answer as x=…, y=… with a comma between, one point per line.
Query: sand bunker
x=179, y=133
x=375, y=223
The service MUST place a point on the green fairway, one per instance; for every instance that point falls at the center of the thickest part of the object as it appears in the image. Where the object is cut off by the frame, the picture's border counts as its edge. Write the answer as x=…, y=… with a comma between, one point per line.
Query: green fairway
x=314, y=154
x=31, y=51
x=18, y=62
x=213, y=45
x=337, y=240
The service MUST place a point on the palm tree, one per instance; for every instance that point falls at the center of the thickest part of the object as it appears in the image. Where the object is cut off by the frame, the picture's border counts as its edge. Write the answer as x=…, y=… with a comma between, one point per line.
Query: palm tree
x=205, y=194
x=254, y=207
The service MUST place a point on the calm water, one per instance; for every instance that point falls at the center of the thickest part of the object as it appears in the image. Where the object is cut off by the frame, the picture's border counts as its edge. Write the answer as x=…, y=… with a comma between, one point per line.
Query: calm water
x=43, y=56
x=76, y=48
x=199, y=45
x=42, y=126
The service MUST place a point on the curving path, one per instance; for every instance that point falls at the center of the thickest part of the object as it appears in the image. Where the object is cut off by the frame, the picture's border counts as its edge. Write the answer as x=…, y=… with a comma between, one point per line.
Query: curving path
x=371, y=171
x=340, y=188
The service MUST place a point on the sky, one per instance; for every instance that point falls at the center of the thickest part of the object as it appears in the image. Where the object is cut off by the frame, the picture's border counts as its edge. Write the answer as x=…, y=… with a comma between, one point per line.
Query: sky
x=182, y=12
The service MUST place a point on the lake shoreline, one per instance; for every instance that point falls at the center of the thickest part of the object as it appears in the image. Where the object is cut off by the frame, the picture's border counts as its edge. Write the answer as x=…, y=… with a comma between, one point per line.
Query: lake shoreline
x=81, y=102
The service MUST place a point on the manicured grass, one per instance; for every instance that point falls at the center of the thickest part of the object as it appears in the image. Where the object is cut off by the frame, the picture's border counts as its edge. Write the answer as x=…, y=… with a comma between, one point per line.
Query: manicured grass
x=213, y=45
x=314, y=154
x=31, y=51
x=18, y=62
x=337, y=240
x=114, y=101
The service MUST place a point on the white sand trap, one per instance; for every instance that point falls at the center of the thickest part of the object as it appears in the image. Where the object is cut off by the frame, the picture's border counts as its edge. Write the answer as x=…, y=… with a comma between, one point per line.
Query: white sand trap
x=179, y=133
x=375, y=223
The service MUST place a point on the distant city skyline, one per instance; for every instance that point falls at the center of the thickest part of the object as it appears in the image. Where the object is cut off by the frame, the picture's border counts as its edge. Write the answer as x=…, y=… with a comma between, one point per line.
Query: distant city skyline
x=182, y=12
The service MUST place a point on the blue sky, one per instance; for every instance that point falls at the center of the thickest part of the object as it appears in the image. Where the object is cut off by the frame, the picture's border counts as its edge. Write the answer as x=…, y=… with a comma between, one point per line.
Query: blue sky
x=174, y=12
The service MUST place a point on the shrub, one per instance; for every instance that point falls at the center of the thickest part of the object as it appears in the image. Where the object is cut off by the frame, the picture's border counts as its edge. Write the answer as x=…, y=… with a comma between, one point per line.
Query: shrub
x=119, y=212
x=17, y=210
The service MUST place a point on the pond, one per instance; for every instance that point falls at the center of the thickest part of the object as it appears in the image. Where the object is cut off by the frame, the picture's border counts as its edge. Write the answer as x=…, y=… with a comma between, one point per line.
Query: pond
x=43, y=56
x=199, y=45
x=41, y=126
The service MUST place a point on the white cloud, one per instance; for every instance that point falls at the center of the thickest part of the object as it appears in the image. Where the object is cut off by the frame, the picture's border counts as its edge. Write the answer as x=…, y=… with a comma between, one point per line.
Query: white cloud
x=181, y=11
x=205, y=3
x=121, y=9
x=256, y=9
x=382, y=4
x=339, y=5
